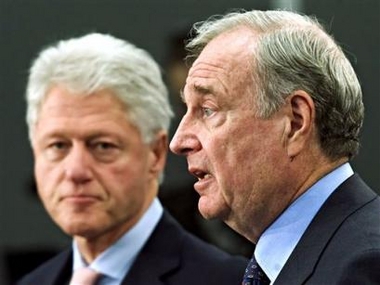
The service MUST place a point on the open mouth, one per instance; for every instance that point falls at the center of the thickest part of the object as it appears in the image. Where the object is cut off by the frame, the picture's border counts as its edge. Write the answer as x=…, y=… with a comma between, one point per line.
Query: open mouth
x=204, y=179
x=201, y=175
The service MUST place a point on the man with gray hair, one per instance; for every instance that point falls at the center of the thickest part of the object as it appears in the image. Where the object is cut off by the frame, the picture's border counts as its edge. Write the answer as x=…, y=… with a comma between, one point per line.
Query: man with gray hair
x=274, y=110
x=98, y=117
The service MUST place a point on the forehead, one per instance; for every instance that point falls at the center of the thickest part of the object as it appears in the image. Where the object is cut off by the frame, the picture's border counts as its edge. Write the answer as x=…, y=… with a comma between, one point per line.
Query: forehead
x=225, y=63
x=232, y=45
x=60, y=100
x=64, y=111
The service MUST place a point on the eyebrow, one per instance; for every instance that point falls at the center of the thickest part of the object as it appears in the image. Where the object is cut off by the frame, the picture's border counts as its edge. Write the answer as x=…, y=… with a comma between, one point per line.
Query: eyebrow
x=203, y=90
x=52, y=134
x=200, y=90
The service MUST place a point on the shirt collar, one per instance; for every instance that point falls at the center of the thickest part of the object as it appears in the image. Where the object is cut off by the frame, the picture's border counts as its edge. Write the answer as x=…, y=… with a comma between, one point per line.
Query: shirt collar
x=281, y=237
x=116, y=261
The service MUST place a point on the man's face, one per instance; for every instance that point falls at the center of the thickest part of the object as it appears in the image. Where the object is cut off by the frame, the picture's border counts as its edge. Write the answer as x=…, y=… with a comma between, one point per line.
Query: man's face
x=238, y=158
x=94, y=174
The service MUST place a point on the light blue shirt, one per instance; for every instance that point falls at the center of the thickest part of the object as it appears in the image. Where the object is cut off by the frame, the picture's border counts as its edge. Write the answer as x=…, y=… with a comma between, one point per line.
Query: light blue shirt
x=279, y=240
x=116, y=261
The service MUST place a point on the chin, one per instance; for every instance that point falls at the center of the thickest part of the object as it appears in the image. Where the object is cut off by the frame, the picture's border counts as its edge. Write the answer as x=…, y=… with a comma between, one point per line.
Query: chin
x=83, y=233
x=206, y=214
x=83, y=229
x=211, y=210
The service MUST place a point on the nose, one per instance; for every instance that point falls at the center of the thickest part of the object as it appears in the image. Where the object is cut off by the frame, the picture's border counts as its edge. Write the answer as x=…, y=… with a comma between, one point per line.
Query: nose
x=185, y=140
x=78, y=164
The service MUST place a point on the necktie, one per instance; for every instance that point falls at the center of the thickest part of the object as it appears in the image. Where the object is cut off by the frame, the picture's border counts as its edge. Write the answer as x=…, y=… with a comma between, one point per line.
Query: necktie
x=254, y=275
x=84, y=276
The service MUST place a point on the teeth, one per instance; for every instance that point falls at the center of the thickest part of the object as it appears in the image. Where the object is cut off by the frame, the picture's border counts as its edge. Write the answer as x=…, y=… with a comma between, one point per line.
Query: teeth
x=201, y=175
x=205, y=176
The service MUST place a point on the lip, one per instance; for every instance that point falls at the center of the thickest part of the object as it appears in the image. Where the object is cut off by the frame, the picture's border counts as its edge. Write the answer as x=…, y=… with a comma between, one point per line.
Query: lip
x=201, y=185
x=204, y=178
x=198, y=172
x=80, y=199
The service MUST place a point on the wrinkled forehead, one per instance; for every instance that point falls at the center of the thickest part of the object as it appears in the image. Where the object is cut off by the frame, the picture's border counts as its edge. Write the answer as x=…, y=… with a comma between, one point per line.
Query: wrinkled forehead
x=233, y=46
x=231, y=52
x=224, y=65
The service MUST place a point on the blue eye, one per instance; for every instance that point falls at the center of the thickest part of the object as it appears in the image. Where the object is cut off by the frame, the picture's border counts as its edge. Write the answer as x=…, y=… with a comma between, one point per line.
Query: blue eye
x=207, y=112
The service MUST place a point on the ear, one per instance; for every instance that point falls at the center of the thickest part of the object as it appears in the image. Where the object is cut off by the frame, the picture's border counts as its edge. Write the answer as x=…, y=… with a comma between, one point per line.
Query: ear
x=302, y=117
x=159, y=149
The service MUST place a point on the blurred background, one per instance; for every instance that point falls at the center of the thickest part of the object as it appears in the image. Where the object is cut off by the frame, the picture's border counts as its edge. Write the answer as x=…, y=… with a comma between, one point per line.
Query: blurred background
x=27, y=235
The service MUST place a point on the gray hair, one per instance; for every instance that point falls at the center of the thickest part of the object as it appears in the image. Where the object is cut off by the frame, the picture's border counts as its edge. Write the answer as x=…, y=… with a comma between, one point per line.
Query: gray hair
x=95, y=62
x=294, y=52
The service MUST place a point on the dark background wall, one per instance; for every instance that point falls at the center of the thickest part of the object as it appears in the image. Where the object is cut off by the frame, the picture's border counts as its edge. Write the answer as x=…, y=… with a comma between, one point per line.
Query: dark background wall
x=27, y=26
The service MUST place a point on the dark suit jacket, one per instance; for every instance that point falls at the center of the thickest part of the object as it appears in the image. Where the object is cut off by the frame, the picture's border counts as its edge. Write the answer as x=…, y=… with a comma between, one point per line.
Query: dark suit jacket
x=170, y=256
x=342, y=243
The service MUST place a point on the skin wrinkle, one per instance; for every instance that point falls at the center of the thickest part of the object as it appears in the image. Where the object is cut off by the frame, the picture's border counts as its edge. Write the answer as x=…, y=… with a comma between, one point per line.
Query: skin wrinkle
x=232, y=143
x=82, y=167
x=203, y=88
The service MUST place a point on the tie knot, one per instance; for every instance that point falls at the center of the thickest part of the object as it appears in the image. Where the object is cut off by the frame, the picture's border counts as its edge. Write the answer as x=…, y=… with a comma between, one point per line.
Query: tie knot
x=84, y=276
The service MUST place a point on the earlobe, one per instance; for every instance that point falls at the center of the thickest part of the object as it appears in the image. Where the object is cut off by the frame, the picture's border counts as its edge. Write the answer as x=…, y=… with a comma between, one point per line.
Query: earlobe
x=301, y=122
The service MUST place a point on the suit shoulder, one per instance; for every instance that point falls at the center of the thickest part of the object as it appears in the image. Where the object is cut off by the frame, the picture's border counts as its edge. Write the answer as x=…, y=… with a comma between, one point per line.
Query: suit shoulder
x=210, y=261
x=197, y=247
x=363, y=269
x=362, y=227
x=49, y=271
x=200, y=262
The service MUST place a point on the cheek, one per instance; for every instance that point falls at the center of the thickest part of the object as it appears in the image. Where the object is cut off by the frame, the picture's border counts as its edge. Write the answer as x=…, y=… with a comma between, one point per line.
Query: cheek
x=243, y=161
x=235, y=157
x=124, y=170
x=46, y=179
x=122, y=178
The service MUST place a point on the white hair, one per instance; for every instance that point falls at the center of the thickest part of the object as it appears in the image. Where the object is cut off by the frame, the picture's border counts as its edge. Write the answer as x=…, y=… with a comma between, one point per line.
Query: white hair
x=95, y=62
x=294, y=52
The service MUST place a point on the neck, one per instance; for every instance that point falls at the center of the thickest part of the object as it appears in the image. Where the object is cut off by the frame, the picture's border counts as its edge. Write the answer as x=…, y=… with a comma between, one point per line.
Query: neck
x=315, y=174
x=298, y=181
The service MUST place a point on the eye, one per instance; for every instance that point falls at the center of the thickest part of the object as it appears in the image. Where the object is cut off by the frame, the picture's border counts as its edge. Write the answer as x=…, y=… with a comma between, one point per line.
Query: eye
x=58, y=145
x=104, y=146
x=207, y=111
x=56, y=150
x=105, y=151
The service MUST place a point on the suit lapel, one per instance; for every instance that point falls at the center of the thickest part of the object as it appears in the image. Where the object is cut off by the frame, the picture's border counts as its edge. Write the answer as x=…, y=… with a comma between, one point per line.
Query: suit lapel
x=57, y=271
x=159, y=257
x=349, y=197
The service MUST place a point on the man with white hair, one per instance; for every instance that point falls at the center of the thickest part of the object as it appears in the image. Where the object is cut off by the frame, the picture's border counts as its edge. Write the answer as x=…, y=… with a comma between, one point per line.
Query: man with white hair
x=274, y=112
x=98, y=117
